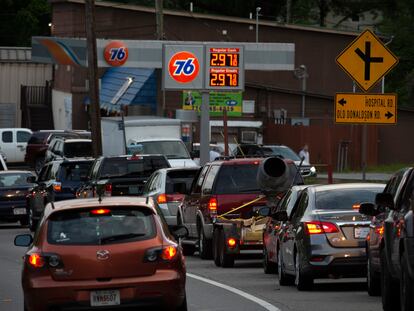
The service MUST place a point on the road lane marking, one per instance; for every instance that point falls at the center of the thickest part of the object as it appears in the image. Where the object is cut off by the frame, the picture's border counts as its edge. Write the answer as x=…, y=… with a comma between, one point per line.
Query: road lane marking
x=236, y=291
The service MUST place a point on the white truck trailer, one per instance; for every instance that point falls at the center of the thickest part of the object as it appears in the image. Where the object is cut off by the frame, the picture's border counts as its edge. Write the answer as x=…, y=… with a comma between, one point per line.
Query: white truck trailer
x=145, y=135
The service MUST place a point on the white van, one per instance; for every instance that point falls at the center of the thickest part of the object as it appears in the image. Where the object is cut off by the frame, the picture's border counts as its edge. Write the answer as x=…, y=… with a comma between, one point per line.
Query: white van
x=13, y=142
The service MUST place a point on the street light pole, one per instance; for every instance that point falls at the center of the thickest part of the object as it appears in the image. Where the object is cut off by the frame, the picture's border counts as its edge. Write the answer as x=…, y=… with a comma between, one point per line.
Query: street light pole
x=257, y=23
x=302, y=73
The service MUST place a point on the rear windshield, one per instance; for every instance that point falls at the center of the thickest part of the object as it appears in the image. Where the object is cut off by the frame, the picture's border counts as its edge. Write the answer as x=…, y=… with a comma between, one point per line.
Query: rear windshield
x=284, y=152
x=73, y=171
x=176, y=177
x=15, y=179
x=344, y=199
x=132, y=166
x=171, y=149
x=78, y=149
x=237, y=179
x=82, y=227
x=38, y=138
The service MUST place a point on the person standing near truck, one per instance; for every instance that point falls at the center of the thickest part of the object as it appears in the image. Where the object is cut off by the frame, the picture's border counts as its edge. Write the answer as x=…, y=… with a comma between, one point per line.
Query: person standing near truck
x=304, y=154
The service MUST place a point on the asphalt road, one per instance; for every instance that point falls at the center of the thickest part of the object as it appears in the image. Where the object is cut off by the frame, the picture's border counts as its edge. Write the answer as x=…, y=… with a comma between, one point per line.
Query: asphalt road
x=243, y=288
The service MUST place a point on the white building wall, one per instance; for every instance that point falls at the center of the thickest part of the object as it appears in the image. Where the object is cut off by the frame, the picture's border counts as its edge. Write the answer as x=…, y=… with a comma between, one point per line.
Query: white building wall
x=62, y=109
x=13, y=75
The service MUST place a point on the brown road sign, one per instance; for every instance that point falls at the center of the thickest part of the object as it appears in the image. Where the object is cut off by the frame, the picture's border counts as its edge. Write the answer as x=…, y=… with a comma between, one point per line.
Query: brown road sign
x=366, y=60
x=366, y=108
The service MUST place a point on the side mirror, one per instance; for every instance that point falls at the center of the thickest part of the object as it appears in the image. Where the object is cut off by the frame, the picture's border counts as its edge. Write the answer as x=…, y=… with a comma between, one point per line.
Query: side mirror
x=385, y=199
x=179, y=232
x=31, y=179
x=368, y=209
x=264, y=211
x=180, y=187
x=23, y=240
x=280, y=216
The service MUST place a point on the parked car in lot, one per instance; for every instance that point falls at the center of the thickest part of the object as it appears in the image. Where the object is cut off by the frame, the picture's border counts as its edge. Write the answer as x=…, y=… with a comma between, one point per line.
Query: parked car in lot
x=397, y=245
x=222, y=190
x=324, y=234
x=92, y=254
x=58, y=180
x=273, y=228
x=39, y=142
x=66, y=148
x=282, y=151
x=166, y=189
x=121, y=175
x=375, y=238
x=14, y=187
x=13, y=143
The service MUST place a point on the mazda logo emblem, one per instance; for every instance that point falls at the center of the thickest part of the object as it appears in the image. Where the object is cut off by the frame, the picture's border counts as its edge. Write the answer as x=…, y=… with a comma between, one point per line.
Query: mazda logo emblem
x=102, y=255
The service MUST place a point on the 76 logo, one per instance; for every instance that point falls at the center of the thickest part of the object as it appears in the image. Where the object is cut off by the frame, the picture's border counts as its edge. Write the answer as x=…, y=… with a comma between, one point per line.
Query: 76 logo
x=117, y=53
x=184, y=66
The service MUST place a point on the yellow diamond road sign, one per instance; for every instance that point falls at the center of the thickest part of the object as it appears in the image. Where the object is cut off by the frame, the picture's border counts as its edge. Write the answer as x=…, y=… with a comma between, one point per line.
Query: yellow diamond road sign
x=366, y=60
x=366, y=108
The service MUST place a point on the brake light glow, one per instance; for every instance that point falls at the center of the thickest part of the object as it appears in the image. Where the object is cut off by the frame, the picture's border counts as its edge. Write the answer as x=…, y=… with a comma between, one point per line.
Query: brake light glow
x=356, y=206
x=57, y=186
x=169, y=252
x=162, y=198
x=101, y=211
x=319, y=227
x=212, y=204
x=108, y=190
x=231, y=242
x=36, y=260
x=379, y=230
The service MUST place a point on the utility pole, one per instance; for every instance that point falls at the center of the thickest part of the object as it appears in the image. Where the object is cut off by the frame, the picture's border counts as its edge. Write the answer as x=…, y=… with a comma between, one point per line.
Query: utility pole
x=288, y=7
x=94, y=108
x=159, y=19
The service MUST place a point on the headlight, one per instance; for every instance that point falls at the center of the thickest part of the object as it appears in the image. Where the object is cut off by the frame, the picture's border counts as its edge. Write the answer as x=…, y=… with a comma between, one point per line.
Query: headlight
x=313, y=170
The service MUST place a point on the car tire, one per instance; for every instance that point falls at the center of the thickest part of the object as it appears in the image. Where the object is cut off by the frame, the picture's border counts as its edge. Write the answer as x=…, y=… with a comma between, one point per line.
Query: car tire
x=303, y=281
x=204, y=246
x=373, y=280
x=268, y=266
x=406, y=287
x=38, y=164
x=183, y=306
x=389, y=288
x=32, y=222
x=284, y=279
x=226, y=260
x=24, y=222
x=216, y=247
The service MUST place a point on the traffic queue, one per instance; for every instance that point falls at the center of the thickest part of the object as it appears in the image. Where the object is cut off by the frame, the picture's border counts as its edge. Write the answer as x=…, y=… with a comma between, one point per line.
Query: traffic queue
x=113, y=231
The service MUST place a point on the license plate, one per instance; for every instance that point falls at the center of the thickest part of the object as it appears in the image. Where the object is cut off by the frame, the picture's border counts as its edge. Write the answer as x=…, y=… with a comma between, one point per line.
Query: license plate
x=105, y=298
x=19, y=211
x=133, y=190
x=361, y=232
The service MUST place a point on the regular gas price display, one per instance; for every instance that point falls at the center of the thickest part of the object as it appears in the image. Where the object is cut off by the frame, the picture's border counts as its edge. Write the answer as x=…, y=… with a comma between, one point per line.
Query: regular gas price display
x=225, y=68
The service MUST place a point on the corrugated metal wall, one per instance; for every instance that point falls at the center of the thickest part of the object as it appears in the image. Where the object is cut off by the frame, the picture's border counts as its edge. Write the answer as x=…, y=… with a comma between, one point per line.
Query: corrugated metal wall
x=12, y=76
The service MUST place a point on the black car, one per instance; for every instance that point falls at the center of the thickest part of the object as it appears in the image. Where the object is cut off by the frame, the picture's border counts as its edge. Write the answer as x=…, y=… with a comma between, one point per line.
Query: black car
x=58, y=180
x=397, y=249
x=15, y=186
x=121, y=175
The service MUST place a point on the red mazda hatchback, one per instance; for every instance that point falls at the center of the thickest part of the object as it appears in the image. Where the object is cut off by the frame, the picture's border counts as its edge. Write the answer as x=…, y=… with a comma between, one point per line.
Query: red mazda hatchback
x=113, y=253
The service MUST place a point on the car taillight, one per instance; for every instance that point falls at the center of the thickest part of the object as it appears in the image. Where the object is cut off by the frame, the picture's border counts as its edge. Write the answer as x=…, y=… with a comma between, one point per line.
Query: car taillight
x=379, y=230
x=108, y=190
x=36, y=260
x=165, y=198
x=319, y=227
x=101, y=211
x=212, y=206
x=166, y=253
x=57, y=186
x=231, y=242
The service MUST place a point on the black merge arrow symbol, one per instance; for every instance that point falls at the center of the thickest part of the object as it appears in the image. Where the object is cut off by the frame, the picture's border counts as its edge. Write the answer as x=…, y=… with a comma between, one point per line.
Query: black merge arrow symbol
x=342, y=102
x=389, y=115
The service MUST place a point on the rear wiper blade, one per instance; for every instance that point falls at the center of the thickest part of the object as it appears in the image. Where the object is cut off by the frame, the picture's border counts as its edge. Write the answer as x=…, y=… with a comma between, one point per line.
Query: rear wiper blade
x=118, y=237
x=249, y=190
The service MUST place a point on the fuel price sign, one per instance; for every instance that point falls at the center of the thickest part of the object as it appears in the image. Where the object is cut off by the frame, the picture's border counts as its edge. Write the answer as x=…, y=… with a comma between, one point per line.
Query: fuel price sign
x=224, y=68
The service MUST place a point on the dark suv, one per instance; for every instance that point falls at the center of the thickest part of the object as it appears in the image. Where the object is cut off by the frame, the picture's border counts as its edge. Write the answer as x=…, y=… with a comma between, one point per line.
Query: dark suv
x=39, y=142
x=65, y=148
x=397, y=244
x=121, y=175
x=58, y=180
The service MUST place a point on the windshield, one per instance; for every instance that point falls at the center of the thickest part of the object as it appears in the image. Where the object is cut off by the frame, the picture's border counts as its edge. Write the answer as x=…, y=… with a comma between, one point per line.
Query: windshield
x=120, y=225
x=235, y=179
x=345, y=199
x=171, y=149
x=14, y=179
x=283, y=151
x=179, y=177
x=137, y=166
x=78, y=149
x=73, y=171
